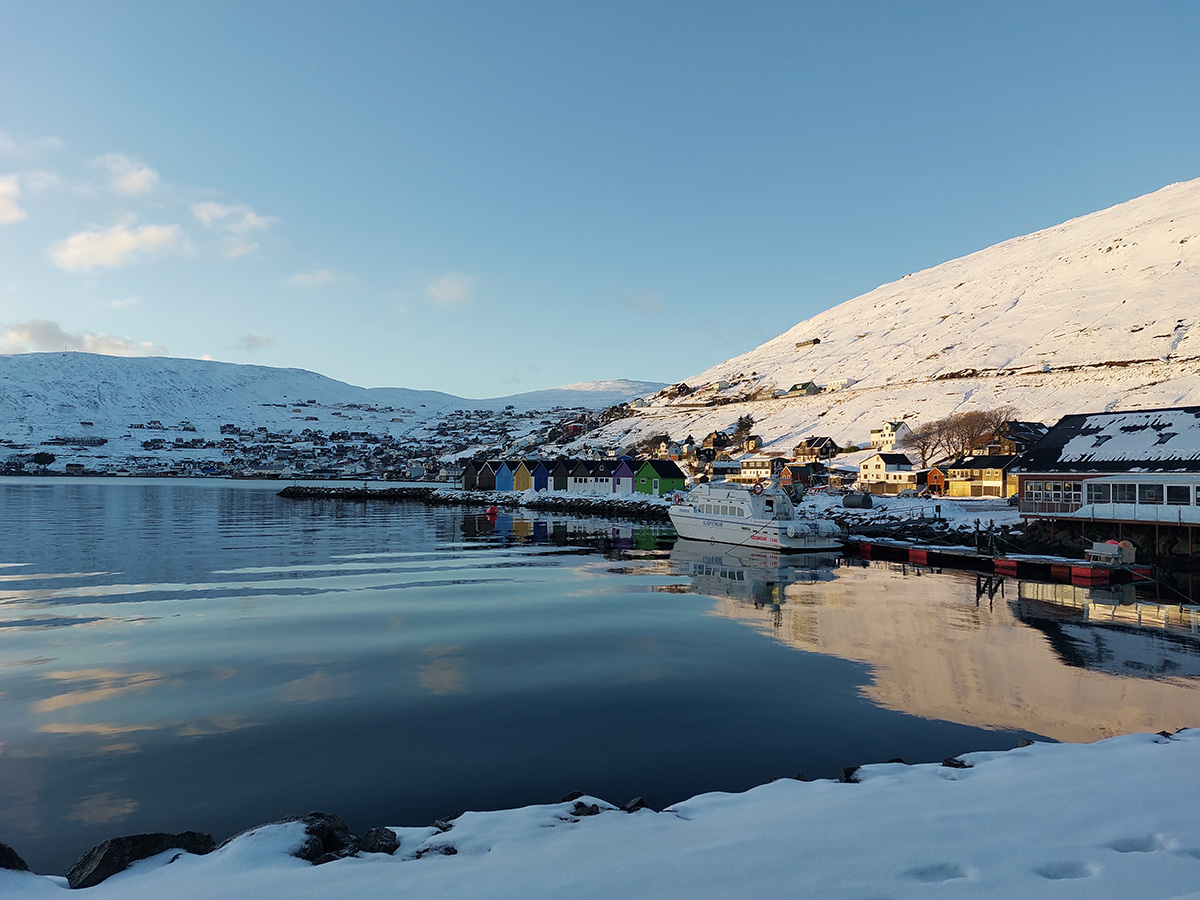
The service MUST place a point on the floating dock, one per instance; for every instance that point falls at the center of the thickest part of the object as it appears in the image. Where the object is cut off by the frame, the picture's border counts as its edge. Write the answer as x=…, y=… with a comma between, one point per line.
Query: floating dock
x=1039, y=568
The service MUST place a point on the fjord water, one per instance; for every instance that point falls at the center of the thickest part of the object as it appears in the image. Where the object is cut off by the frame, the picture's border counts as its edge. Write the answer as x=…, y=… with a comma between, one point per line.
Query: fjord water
x=208, y=656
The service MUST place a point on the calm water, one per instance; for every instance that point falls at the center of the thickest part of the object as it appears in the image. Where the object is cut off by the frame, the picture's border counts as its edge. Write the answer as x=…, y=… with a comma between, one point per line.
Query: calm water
x=207, y=656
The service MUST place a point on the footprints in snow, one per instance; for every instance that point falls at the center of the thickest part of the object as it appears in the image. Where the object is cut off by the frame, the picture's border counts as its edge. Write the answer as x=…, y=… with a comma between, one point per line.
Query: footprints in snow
x=938, y=873
x=1060, y=870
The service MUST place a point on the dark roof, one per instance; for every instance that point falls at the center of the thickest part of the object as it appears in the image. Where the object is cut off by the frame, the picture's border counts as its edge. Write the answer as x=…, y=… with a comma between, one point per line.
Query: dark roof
x=1146, y=440
x=898, y=459
x=1029, y=432
x=665, y=468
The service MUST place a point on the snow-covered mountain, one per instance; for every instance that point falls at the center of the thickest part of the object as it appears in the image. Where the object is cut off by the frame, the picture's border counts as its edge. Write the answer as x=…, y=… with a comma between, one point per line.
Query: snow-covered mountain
x=1100, y=312
x=60, y=389
x=85, y=400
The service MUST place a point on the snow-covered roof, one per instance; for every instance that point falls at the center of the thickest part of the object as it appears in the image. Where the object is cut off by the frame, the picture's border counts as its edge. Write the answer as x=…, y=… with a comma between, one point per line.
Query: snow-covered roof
x=1160, y=440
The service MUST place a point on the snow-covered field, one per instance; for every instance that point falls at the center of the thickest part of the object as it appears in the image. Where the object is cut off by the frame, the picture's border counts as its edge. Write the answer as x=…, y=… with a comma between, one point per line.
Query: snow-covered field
x=1113, y=819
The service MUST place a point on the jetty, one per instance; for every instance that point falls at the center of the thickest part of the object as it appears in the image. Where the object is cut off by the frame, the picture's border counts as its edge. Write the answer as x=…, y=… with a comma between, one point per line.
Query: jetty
x=1061, y=569
x=643, y=507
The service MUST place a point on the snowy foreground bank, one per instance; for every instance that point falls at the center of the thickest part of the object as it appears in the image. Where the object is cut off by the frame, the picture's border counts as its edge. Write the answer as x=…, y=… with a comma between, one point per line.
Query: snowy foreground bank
x=1116, y=818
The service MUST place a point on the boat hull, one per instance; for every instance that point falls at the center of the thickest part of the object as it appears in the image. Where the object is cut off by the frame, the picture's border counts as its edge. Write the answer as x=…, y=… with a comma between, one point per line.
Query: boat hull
x=793, y=535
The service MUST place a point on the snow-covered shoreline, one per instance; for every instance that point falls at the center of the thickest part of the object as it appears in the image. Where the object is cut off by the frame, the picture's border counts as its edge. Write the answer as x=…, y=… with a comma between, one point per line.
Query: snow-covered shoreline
x=1111, y=819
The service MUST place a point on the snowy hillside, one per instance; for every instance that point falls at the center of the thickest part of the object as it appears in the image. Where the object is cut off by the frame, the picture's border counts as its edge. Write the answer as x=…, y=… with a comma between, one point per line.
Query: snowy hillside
x=57, y=390
x=118, y=403
x=1100, y=312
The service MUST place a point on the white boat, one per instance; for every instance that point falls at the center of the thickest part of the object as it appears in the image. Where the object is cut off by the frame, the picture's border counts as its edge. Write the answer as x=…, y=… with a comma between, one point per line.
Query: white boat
x=750, y=516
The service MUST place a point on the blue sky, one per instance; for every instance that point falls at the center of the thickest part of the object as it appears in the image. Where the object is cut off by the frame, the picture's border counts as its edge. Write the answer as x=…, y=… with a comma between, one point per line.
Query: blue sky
x=486, y=198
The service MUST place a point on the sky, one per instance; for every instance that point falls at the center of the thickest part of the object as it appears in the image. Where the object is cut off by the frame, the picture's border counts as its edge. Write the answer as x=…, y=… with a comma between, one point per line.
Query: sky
x=487, y=198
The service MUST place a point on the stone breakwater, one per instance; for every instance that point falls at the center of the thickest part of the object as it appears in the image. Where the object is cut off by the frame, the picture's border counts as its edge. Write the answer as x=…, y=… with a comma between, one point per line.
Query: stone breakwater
x=634, y=506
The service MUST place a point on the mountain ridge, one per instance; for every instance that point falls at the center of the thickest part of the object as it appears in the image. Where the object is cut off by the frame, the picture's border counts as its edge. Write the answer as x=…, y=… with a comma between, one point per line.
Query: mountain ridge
x=1098, y=312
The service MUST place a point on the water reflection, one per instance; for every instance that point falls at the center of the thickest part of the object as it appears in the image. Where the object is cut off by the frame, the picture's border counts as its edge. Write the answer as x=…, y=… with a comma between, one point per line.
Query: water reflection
x=748, y=573
x=1112, y=630
x=941, y=648
x=528, y=528
x=192, y=656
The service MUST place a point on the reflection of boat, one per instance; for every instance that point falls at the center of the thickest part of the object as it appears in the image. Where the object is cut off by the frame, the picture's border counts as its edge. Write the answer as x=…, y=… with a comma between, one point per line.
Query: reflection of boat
x=748, y=573
x=751, y=516
x=1111, y=630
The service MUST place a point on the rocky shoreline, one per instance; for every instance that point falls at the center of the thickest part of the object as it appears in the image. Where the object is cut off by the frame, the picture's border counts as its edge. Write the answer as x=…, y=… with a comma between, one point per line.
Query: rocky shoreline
x=651, y=509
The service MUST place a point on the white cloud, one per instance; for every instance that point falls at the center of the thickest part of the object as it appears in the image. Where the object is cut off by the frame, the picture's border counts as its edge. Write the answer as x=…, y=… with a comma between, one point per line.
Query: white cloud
x=116, y=246
x=451, y=289
x=41, y=180
x=313, y=279
x=42, y=335
x=124, y=303
x=238, y=219
x=127, y=176
x=232, y=248
x=13, y=146
x=254, y=342
x=9, y=210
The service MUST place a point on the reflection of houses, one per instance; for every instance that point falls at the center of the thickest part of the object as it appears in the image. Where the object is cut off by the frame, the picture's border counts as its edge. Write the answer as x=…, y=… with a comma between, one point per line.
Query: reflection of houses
x=1111, y=630
x=980, y=476
x=1116, y=469
x=934, y=653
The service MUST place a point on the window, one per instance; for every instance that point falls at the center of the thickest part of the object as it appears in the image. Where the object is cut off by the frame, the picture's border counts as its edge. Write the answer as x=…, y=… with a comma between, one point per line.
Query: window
x=1150, y=493
x=1179, y=495
x=1098, y=493
x=1073, y=491
x=1054, y=491
x=1124, y=493
x=1033, y=490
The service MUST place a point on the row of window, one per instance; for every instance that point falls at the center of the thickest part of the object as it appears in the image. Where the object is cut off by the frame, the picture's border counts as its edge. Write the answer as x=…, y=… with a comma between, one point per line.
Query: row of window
x=1054, y=491
x=1150, y=494
x=720, y=509
x=1147, y=494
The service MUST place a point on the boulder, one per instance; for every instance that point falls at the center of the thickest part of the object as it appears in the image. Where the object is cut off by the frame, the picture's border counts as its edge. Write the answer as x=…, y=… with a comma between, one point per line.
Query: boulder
x=379, y=840
x=326, y=838
x=117, y=854
x=10, y=860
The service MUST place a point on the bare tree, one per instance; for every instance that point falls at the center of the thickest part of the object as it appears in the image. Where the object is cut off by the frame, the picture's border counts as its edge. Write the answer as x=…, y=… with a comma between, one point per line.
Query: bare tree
x=924, y=439
x=958, y=434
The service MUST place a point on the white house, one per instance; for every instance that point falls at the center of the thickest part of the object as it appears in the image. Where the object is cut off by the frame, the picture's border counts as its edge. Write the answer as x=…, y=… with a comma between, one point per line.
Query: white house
x=889, y=436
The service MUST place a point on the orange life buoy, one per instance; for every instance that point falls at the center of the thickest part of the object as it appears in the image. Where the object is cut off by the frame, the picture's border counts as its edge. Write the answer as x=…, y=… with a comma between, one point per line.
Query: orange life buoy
x=757, y=489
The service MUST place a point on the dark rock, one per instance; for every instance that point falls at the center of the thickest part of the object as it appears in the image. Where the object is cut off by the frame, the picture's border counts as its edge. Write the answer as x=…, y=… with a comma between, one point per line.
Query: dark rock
x=898, y=760
x=585, y=809
x=326, y=838
x=9, y=859
x=1024, y=742
x=849, y=775
x=445, y=824
x=574, y=795
x=117, y=854
x=379, y=840
x=635, y=804
x=952, y=762
x=443, y=849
